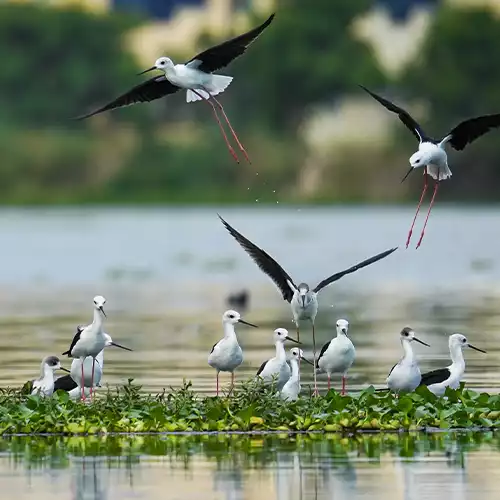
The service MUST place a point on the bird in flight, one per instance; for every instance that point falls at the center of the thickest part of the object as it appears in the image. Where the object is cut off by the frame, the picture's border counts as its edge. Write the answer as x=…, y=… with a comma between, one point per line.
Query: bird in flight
x=196, y=76
x=431, y=154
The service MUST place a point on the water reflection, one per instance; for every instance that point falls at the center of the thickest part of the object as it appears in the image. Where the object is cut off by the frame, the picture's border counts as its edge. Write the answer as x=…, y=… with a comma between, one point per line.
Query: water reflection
x=280, y=467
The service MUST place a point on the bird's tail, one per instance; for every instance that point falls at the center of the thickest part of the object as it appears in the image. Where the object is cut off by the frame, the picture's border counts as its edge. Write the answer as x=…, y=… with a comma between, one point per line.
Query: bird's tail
x=218, y=84
x=439, y=174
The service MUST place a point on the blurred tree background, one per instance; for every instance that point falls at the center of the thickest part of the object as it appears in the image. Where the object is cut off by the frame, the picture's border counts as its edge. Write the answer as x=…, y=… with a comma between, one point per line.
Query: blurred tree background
x=58, y=64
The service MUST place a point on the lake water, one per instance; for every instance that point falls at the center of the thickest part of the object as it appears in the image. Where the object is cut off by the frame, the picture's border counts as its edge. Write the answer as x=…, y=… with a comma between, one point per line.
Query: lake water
x=166, y=273
x=376, y=467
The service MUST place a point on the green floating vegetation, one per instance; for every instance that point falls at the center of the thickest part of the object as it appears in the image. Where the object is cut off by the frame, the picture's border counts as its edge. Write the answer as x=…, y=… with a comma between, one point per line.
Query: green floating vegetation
x=250, y=408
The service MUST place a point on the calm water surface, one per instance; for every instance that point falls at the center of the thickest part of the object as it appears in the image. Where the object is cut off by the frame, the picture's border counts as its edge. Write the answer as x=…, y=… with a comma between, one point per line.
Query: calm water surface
x=375, y=467
x=166, y=274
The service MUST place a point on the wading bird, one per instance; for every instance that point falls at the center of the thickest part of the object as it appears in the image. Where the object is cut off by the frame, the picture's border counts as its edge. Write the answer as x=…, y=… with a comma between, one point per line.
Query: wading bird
x=226, y=355
x=438, y=380
x=44, y=385
x=431, y=154
x=196, y=77
x=303, y=300
x=291, y=389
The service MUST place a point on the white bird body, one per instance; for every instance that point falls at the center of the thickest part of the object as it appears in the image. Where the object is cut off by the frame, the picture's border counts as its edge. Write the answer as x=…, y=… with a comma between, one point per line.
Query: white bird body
x=292, y=388
x=338, y=355
x=433, y=157
x=76, y=370
x=405, y=376
x=226, y=355
x=44, y=385
x=304, y=305
x=277, y=368
x=438, y=380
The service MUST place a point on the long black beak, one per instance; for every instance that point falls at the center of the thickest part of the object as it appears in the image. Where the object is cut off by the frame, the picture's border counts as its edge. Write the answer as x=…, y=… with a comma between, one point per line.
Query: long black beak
x=147, y=70
x=303, y=297
x=120, y=346
x=102, y=310
x=477, y=349
x=306, y=360
x=420, y=342
x=344, y=331
x=292, y=340
x=64, y=369
x=407, y=174
x=247, y=323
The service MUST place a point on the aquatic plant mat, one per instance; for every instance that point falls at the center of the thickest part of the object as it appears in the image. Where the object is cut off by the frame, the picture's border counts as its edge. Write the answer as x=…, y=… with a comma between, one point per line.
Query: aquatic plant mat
x=249, y=408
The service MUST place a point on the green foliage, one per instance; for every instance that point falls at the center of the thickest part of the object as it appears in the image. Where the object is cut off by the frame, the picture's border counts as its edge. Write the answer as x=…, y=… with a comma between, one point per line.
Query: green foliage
x=252, y=408
x=307, y=56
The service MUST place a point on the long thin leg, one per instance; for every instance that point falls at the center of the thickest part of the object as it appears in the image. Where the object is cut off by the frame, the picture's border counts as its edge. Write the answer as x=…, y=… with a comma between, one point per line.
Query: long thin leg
x=217, y=384
x=92, y=383
x=343, y=385
x=418, y=207
x=428, y=213
x=329, y=381
x=232, y=383
x=242, y=149
x=298, y=332
x=316, y=393
x=231, y=149
x=83, y=381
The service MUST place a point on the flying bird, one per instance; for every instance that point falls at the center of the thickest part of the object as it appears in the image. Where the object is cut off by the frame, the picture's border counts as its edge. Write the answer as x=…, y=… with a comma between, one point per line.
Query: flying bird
x=302, y=299
x=196, y=76
x=431, y=154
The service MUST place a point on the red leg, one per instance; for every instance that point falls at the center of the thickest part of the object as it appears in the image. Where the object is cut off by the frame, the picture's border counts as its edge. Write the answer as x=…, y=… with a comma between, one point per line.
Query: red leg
x=329, y=381
x=428, y=213
x=343, y=385
x=83, y=381
x=242, y=149
x=217, y=384
x=232, y=383
x=231, y=149
x=418, y=207
x=316, y=393
x=92, y=383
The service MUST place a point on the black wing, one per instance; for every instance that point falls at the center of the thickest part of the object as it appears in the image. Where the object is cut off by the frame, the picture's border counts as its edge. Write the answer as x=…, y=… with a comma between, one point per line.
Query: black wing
x=264, y=261
x=76, y=338
x=404, y=116
x=259, y=371
x=352, y=269
x=393, y=368
x=323, y=350
x=435, y=376
x=221, y=55
x=65, y=383
x=214, y=347
x=146, y=91
x=470, y=130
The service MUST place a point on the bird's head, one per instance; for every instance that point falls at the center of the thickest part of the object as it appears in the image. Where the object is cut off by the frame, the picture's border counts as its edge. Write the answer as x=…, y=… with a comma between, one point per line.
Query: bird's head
x=53, y=363
x=304, y=295
x=298, y=354
x=459, y=340
x=408, y=335
x=163, y=64
x=234, y=317
x=99, y=302
x=281, y=334
x=342, y=327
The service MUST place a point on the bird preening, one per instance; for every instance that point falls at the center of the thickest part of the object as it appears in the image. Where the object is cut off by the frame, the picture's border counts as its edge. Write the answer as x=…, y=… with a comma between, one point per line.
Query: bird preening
x=197, y=78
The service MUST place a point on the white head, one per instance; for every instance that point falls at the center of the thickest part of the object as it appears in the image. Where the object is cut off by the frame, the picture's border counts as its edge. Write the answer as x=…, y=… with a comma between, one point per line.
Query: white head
x=281, y=334
x=459, y=340
x=52, y=362
x=99, y=302
x=298, y=354
x=342, y=327
x=163, y=63
x=233, y=317
x=423, y=156
x=109, y=342
x=408, y=335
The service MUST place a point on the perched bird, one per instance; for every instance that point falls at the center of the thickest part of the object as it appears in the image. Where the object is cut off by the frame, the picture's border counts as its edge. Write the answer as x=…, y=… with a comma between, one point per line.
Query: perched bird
x=337, y=355
x=277, y=367
x=431, y=154
x=405, y=375
x=226, y=355
x=73, y=383
x=438, y=380
x=44, y=385
x=196, y=77
x=90, y=340
x=302, y=299
x=291, y=389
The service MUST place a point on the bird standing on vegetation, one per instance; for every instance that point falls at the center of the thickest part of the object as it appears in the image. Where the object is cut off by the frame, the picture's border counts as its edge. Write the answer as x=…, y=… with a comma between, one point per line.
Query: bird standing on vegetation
x=90, y=340
x=431, y=154
x=195, y=76
x=277, y=367
x=44, y=385
x=438, y=380
x=405, y=374
x=337, y=355
x=226, y=355
x=291, y=389
x=303, y=301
